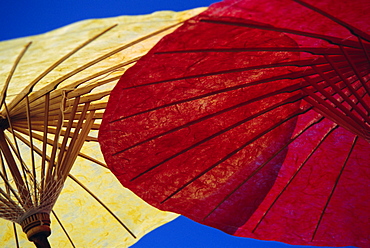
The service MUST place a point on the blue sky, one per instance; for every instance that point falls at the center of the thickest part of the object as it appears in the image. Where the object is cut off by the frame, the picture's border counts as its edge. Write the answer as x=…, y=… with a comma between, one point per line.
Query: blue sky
x=23, y=18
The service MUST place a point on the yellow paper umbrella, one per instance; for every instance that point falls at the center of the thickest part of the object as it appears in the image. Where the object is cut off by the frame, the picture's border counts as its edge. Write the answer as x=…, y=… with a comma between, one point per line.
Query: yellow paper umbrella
x=53, y=91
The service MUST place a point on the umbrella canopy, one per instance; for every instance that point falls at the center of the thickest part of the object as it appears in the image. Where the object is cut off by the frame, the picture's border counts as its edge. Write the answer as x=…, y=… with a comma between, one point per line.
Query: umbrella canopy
x=253, y=118
x=54, y=89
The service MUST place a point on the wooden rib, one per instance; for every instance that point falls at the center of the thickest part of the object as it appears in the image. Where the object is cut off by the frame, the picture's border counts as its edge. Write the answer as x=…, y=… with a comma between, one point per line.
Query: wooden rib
x=204, y=172
x=102, y=204
x=56, y=82
x=344, y=79
x=50, y=142
x=30, y=86
x=335, y=126
x=293, y=75
x=334, y=187
x=259, y=135
x=311, y=50
x=54, y=131
x=342, y=94
x=55, y=104
x=16, y=149
x=276, y=105
x=332, y=112
x=15, y=235
x=44, y=140
x=364, y=48
x=36, y=99
x=308, y=126
x=326, y=135
x=68, y=130
x=51, y=164
x=11, y=73
x=352, y=29
x=353, y=66
x=351, y=117
x=63, y=168
x=75, y=149
x=56, y=93
x=63, y=228
x=6, y=196
x=287, y=89
x=33, y=166
x=10, y=204
x=262, y=26
x=96, y=161
x=9, y=187
x=21, y=186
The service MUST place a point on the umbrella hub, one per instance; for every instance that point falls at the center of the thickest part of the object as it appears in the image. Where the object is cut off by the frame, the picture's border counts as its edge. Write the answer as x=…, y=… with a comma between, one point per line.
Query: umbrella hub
x=37, y=227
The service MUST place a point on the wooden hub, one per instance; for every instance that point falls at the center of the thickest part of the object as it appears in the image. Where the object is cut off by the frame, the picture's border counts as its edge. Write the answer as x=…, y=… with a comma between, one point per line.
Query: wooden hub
x=36, y=225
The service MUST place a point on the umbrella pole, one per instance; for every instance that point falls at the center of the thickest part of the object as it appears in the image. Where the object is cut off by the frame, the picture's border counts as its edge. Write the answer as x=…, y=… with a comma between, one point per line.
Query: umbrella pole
x=41, y=241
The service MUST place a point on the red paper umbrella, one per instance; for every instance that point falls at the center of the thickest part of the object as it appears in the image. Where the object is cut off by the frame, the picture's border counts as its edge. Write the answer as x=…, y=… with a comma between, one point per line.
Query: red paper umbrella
x=253, y=118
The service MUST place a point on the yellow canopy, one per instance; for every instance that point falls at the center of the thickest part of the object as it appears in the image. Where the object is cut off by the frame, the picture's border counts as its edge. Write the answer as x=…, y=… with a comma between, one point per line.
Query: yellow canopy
x=57, y=87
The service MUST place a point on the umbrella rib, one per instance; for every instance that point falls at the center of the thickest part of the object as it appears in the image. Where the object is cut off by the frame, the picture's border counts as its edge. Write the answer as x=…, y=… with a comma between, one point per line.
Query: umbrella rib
x=342, y=94
x=352, y=29
x=31, y=149
x=16, y=149
x=309, y=125
x=259, y=135
x=68, y=130
x=35, y=99
x=51, y=164
x=72, y=87
x=320, y=104
x=11, y=73
x=208, y=169
x=63, y=228
x=50, y=142
x=287, y=89
x=16, y=235
x=334, y=187
x=8, y=201
x=311, y=50
x=336, y=103
x=44, y=141
x=295, y=174
x=102, y=204
x=336, y=69
x=30, y=86
x=9, y=187
x=60, y=167
x=77, y=145
x=262, y=26
x=21, y=186
x=364, y=48
x=56, y=82
x=326, y=135
x=346, y=55
x=8, y=208
x=329, y=110
x=292, y=75
x=286, y=101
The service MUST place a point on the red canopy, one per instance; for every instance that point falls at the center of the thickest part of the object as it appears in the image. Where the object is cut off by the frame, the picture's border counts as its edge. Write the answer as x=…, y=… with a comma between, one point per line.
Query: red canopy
x=253, y=118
